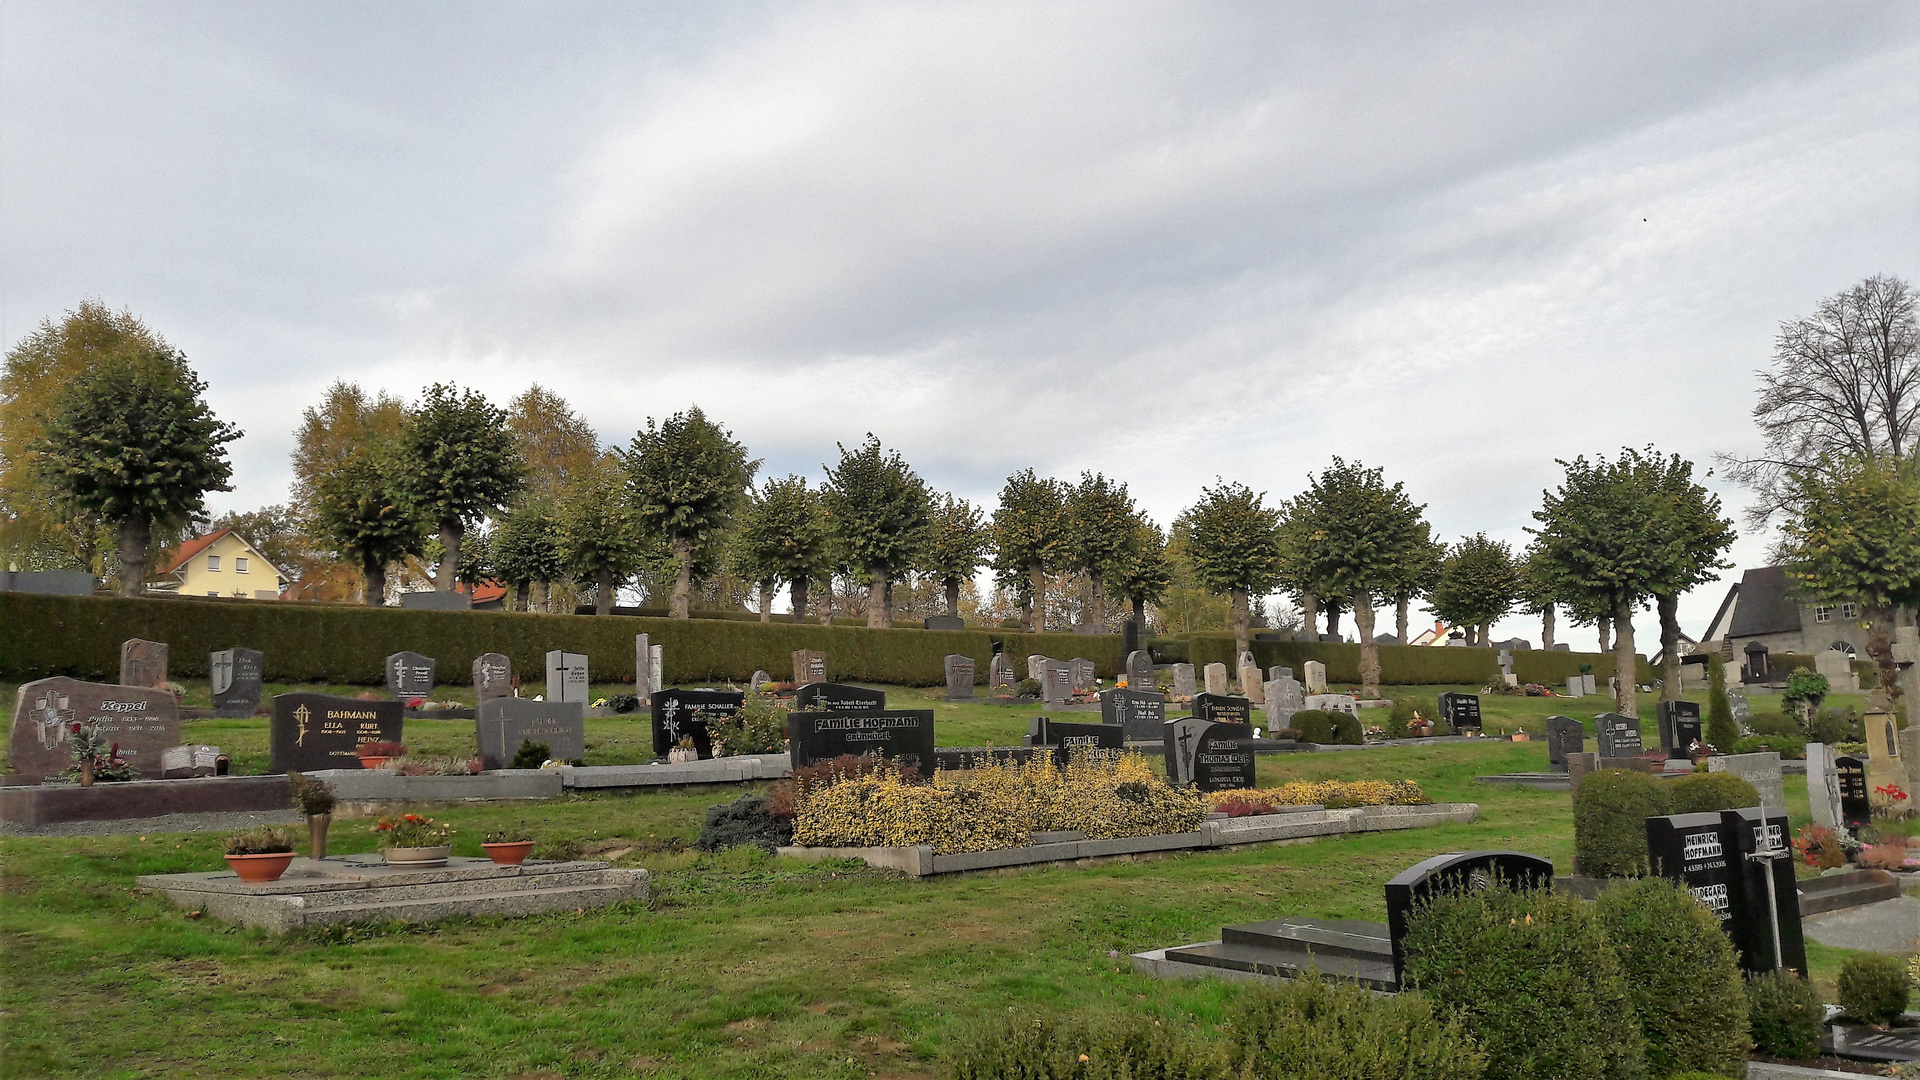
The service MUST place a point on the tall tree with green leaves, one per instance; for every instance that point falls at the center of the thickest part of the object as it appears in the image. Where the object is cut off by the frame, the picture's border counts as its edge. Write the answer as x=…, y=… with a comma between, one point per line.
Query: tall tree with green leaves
x=134, y=441
x=526, y=552
x=880, y=512
x=687, y=478
x=781, y=535
x=461, y=465
x=1697, y=541
x=1030, y=539
x=597, y=530
x=1479, y=583
x=360, y=508
x=1234, y=542
x=1100, y=529
x=1536, y=595
x=957, y=547
x=1145, y=572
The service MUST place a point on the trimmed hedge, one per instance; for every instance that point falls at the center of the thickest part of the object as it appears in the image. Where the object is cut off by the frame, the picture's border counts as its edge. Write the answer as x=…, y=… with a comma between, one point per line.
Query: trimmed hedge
x=1404, y=665
x=1785, y=1015
x=1611, y=808
x=1682, y=977
x=308, y=642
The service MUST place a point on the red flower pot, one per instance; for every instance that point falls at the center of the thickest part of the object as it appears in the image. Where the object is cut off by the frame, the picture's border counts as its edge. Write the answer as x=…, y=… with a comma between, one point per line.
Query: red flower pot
x=511, y=854
x=373, y=762
x=257, y=869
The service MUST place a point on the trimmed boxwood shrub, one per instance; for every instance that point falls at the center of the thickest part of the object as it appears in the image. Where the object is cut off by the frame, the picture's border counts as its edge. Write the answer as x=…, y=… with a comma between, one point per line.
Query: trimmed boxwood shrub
x=1531, y=977
x=1331, y=728
x=1789, y=747
x=1681, y=975
x=1018, y=1046
x=1338, y=1031
x=1702, y=793
x=1873, y=989
x=1785, y=1015
x=1610, y=812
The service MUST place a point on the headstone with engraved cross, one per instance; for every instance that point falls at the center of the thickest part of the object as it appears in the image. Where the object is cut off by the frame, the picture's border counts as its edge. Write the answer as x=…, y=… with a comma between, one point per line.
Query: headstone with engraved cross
x=143, y=663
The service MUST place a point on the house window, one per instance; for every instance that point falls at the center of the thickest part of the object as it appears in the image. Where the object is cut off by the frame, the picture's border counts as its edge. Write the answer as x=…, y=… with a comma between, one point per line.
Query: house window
x=1849, y=610
x=213, y=565
x=1823, y=613
x=213, y=592
x=239, y=564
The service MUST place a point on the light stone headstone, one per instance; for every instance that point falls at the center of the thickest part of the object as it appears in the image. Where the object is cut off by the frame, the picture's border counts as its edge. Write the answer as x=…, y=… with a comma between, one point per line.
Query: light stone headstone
x=655, y=663
x=143, y=663
x=1345, y=703
x=1279, y=715
x=1316, y=677
x=145, y=721
x=1278, y=672
x=1056, y=682
x=1083, y=674
x=759, y=676
x=809, y=666
x=1575, y=686
x=643, y=684
x=1838, y=668
x=1000, y=673
x=1183, y=687
x=236, y=678
x=1037, y=667
x=1823, y=787
x=1252, y=687
x=492, y=677
x=1586, y=685
x=1216, y=679
x=1140, y=670
x=1742, y=709
x=1286, y=694
x=567, y=676
x=1760, y=770
x=959, y=672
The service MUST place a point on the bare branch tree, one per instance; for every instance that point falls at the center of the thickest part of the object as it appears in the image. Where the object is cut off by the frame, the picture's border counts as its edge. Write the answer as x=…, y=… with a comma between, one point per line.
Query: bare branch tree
x=1845, y=382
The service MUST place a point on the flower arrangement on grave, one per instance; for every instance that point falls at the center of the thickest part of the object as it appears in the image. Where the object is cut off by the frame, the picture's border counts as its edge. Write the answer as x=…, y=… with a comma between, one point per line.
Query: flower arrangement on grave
x=95, y=759
x=1332, y=794
x=311, y=797
x=1820, y=846
x=759, y=727
x=373, y=754
x=1890, y=853
x=1234, y=808
x=410, y=831
x=267, y=841
x=516, y=835
x=508, y=847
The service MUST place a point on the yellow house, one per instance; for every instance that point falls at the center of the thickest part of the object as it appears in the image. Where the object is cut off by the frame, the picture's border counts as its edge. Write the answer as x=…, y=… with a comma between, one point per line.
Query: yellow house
x=223, y=563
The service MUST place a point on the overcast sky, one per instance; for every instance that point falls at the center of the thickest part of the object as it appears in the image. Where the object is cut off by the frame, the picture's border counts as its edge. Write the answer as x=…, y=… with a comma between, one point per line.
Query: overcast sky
x=1168, y=242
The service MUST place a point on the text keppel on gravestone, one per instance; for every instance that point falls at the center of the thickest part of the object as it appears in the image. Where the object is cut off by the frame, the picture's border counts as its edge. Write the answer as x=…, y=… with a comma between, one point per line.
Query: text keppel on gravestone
x=143, y=720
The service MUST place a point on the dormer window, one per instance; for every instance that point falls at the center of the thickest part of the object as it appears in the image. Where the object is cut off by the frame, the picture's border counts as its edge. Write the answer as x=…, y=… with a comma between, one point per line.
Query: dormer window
x=1849, y=610
x=213, y=564
x=239, y=564
x=1823, y=613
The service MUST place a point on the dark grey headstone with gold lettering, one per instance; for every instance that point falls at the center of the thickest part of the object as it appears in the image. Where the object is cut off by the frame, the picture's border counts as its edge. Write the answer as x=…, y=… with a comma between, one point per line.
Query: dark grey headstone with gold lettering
x=321, y=731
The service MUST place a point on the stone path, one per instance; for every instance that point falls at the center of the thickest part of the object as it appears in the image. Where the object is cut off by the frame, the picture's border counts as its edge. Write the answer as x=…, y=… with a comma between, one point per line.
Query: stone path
x=1889, y=926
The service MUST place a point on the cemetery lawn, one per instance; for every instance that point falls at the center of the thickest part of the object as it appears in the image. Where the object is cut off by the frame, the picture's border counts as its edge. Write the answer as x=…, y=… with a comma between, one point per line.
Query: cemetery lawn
x=741, y=966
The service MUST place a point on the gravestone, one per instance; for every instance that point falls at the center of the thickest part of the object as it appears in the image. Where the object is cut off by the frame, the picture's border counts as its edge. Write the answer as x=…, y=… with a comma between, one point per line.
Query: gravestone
x=1575, y=686
x=1586, y=685
x=502, y=724
x=567, y=677
x=143, y=663
x=809, y=666
x=1278, y=672
x=236, y=675
x=1000, y=673
x=1761, y=770
x=492, y=677
x=1692, y=850
x=1345, y=703
x=1284, y=698
x=145, y=721
x=1909, y=743
x=655, y=662
x=1140, y=670
x=1823, y=787
x=1680, y=726
x=1565, y=735
x=1223, y=709
x=1770, y=891
x=1316, y=677
x=1505, y=658
x=945, y=622
x=1618, y=736
x=1741, y=708
x=1037, y=667
x=185, y=762
x=828, y=697
x=1066, y=738
x=1885, y=766
x=1251, y=686
x=1056, y=682
x=1082, y=674
x=1142, y=713
x=1245, y=660
x=1460, y=711
x=1209, y=755
x=643, y=684
x=320, y=731
x=959, y=671
x=1471, y=871
x=1838, y=668
x=1216, y=675
x=758, y=679
x=686, y=714
x=1183, y=681
x=905, y=737
x=1856, y=809
x=409, y=675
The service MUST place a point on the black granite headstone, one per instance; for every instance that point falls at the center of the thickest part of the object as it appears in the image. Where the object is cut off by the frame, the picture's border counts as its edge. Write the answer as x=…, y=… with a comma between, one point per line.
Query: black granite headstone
x=236, y=677
x=1140, y=671
x=409, y=675
x=1223, y=709
x=838, y=698
x=1692, y=850
x=1565, y=735
x=1460, y=711
x=1770, y=901
x=1618, y=735
x=321, y=731
x=1456, y=872
x=1856, y=810
x=1066, y=738
x=904, y=736
x=1211, y=756
x=683, y=714
x=504, y=723
x=1679, y=726
x=1143, y=713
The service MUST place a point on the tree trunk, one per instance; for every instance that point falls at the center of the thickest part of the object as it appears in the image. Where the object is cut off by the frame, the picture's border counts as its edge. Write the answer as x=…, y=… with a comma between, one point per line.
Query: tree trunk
x=877, y=599
x=826, y=610
x=1669, y=609
x=1238, y=602
x=603, y=591
x=541, y=598
x=953, y=596
x=1097, y=602
x=450, y=534
x=1140, y=614
x=1625, y=671
x=682, y=580
x=1333, y=619
x=1546, y=628
x=886, y=604
x=135, y=535
x=1310, y=613
x=1369, y=652
x=375, y=571
x=1605, y=627
x=1486, y=635
x=797, y=593
x=1036, y=621
x=1400, y=603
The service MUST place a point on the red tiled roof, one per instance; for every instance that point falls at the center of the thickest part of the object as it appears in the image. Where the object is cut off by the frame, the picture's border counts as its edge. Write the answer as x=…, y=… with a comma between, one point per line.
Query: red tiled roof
x=193, y=547
x=488, y=591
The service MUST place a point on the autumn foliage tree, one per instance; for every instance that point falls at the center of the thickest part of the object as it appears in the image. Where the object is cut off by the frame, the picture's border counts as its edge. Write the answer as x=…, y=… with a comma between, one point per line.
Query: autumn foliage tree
x=1030, y=539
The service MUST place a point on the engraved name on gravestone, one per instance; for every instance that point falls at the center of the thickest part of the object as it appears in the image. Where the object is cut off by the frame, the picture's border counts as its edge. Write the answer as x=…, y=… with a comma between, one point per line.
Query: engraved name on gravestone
x=1066, y=739
x=321, y=731
x=1082, y=674
x=409, y=675
x=143, y=663
x=686, y=714
x=492, y=677
x=1565, y=735
x=236, y=676
x=1223, y=708
x=905, y=736
x=1679, y=726
x=1460, y=711
x=838, y=698
x=809, y=665
x=1141, y=713
x=1140, y=670
x=1208, y=755
x=502, y=724
x=1316, y=681
x=1692, y=850
x=567, y=676
x=1000, y=672
x=959, y=671
x=1056, y=682
x=1618, y=736
x=145, y=722
x=1183, y=681
x=1216, y=676
x=1762, y=770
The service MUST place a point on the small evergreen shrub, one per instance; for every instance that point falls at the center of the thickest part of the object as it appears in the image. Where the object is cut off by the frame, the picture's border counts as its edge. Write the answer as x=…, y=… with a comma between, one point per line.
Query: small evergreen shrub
x=531, y=755
x=1721, y=730
x=746, y=821
x=1703, y=793
x=1018, y=1046
x=1531, y=978
x=1347, y=730
x=1403, y=714
x=1027, y=688
x=1873, y=989
x=1681, y=975
x=1337, y=1031
x=1775, y=724
x=1610, y=812
x=759, y=727
x=1784, y=1015
x=1316, y=725
x=1789, y=747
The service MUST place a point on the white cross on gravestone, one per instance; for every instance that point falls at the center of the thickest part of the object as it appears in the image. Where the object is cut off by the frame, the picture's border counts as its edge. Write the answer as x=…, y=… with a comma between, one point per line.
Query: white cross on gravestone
x=1506, y=661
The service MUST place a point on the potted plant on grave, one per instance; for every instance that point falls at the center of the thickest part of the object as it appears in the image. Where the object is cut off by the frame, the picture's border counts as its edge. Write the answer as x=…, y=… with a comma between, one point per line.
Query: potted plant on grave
x=684, y=752
x=375, y=754
x=413, y=840
x=95, y=759
x=508, y=847
x=313, y=798
x=259, y=855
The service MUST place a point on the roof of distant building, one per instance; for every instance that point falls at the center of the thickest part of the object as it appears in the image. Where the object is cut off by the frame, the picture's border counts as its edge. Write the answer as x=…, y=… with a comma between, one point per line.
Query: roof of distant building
x=1767, y=605
x=194, y=547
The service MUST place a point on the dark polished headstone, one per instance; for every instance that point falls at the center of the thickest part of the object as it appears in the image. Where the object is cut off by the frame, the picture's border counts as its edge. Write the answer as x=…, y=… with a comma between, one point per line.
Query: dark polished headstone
x=838, y=698
x=1456, y=872
x=492, y=677
x=321, y=731
x=236, y=676
x=143, y=663
x=1056, y=681
x=905, y=736
x=1565, y=736
x=1680, y=727
x=145, y=722
x=959, y=671
x=504, y=723
x=945, y=622
x=1754, y=831
x=1460, y=711
x=1065, y=738
x=684, y=714
x=1223, y=709
x=1691, y=849
x=1209, y=755
x=410, y=675
x=1618, y=736
x=1855, y=808
x=1142, y=713
x=1140, y=671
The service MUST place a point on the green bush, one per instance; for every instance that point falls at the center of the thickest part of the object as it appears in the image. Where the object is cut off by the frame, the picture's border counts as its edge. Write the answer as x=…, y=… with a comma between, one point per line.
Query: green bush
x=746, y=821
x=1403, y=665
x=1531, y=977
x=1775, y=724
x=1338, y=1031
x=531, y=755
x=1721, y=730
x=1873, y=989
x=1610, y=812
x=1019, y=1046
x=1784, y=1015
x=1681, y=975
x=1702, y=793
x=343, y=643
x=1789, y=747
x=1315, y=725
x=760, y=727
x=1836, y=725
x=1404, y=710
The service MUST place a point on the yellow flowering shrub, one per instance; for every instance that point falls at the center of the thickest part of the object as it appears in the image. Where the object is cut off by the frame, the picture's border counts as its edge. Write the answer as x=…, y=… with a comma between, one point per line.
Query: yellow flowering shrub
x=1333, y=794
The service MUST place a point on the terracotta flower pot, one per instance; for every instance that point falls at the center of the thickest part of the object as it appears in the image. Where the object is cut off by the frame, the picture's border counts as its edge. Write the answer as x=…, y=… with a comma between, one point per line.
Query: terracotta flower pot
x=512, y=853
x=317, y=835
x=371, y=761
x=256, y=869
x=420, y=857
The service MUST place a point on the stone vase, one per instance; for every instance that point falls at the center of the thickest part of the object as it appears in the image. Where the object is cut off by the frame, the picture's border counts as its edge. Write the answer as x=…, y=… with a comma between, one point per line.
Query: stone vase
x=418, y=857
x=86, y=773
x=317, y=835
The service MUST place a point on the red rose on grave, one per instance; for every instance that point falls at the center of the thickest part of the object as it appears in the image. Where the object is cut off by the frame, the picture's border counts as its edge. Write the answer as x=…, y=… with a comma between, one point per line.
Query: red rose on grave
x=76, y=729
